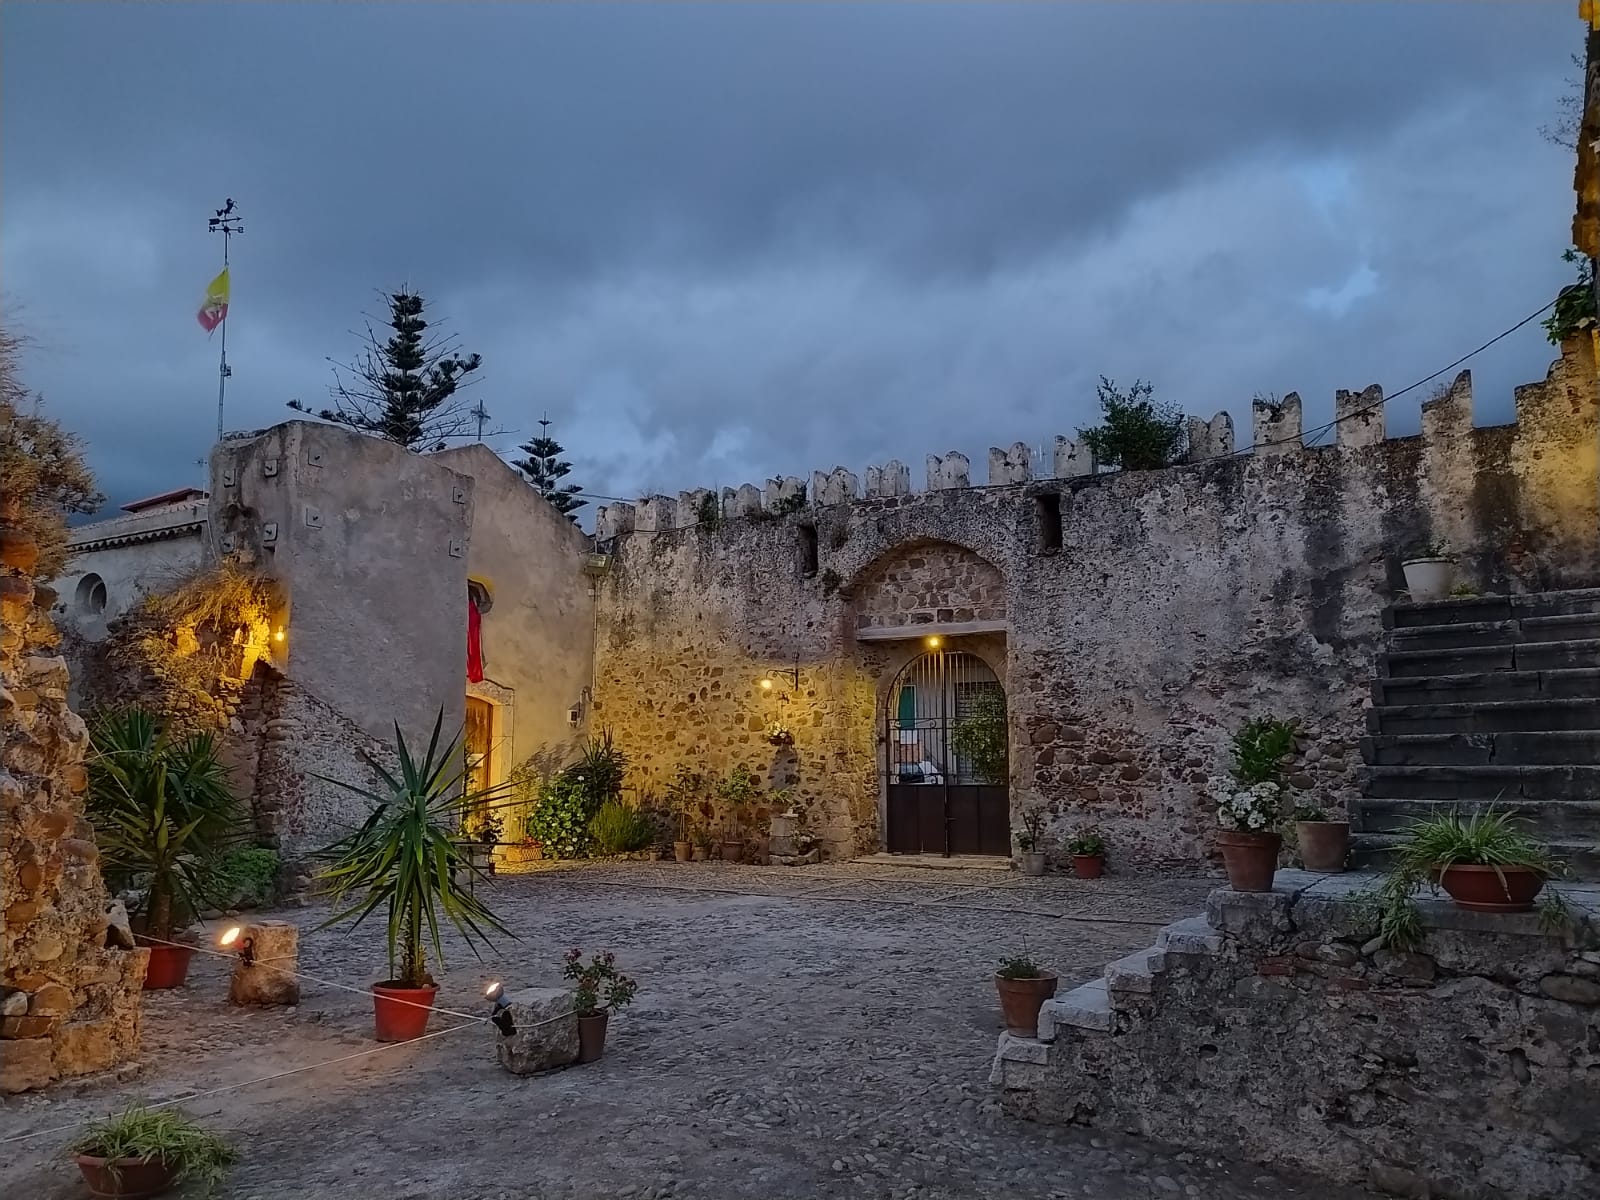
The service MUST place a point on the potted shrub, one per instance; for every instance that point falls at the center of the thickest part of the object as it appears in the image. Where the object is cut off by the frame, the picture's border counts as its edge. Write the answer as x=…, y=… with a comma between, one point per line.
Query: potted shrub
x=700, y=835
x=163, y=813
x=779, y=734
x=484, y=838
x=1024, y=986
x=601, y=990
x=1430, y=572
x=1030, y=841
x=1249, y=803
x=404, y=860
x=1088, y=850
x=147, y=1152
x=1483, y=861
x=1324, y=844
x=683, y=798
x=621, y=829
x=737, y=792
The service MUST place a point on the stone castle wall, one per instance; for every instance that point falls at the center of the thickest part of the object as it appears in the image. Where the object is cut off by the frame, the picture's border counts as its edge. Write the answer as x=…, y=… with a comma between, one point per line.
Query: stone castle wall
x=1143, y=615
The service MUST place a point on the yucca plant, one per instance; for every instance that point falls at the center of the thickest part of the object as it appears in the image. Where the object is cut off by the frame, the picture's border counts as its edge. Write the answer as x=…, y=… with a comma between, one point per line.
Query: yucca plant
x=170, y=1138
x=1485, y=839
x=405, y=857
x=161, y=807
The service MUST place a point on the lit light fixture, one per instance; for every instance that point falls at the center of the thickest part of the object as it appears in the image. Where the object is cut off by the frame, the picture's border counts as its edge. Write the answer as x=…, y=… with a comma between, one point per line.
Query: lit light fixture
x=934, y=642
x=278, y=637
x=766, y=685
x=247, y=946
x=502, y=1018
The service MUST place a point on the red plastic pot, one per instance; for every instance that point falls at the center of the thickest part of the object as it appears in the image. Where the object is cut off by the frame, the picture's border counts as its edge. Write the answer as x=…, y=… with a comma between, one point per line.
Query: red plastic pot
x=401, y=1013
x=592, y=1036
x=1088, y=866
x=1251, y=859
x=1491, y=889
x=128, y=1177
x=169, y=966
x=1021, y=1000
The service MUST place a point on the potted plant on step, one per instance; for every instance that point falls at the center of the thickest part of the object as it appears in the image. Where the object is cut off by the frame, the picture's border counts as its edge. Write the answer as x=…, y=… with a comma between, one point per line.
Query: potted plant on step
x=1324, y=844
x=1024, y=986
x=163, y=812
x=1088, y=850
x=601, y=990
x=1030, y=841
x=1430, y=572
x=737, y=792
x=404, y=860
x=1250, y=803
x=147, y=1152
x=1483, y=860
x=683, y=798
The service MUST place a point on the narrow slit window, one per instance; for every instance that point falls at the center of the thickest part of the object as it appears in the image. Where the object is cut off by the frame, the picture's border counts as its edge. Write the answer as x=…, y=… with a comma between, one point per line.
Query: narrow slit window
x=1048, y=510
x=808, y=549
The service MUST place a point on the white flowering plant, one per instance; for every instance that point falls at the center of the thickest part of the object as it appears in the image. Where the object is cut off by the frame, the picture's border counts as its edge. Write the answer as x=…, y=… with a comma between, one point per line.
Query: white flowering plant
x=779, y=734
x=1248, y=808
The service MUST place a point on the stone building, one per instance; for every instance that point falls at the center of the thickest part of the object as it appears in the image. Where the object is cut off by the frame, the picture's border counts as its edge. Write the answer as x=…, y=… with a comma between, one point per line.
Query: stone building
x=843, y=642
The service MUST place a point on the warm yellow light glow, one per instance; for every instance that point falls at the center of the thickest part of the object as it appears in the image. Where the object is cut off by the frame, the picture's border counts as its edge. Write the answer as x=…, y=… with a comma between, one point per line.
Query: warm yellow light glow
x=278, y=637
x=230, y=936
x=766, y=685
x=492, y=992
x=933, y=642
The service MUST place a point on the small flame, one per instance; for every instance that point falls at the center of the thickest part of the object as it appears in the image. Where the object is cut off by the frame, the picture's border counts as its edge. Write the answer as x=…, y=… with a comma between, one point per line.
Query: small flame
x=230, y=936
x=278, y=637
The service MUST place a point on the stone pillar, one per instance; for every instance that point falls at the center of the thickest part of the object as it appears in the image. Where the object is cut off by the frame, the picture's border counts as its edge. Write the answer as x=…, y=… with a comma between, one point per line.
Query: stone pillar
x=613, y=519
x=783, y=493
x=1360, y=417
x=837, y=486
x=1071, y=459
x=951, y=471
x=743, y=501
x=266, y=974
x=1276, y=427
x=1210, y=439
x=544, y=1031
x=1011, y=466
x=689, y=507
x=654, y=514
x=891, y=479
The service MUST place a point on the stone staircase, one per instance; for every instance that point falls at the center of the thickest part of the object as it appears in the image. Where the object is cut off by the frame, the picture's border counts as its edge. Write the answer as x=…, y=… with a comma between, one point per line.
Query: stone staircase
x=1487, y=700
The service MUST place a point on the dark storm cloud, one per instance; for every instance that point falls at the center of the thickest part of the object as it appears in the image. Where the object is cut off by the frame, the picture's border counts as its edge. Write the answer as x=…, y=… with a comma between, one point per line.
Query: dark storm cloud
x=719, y=241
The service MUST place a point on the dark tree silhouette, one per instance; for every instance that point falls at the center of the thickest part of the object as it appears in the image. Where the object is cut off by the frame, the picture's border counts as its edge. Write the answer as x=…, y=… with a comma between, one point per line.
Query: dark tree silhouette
x=545, y=469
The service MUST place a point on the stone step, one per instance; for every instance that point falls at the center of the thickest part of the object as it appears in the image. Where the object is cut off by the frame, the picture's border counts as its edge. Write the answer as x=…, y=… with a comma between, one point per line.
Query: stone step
x=1192, y=935
x=1469, y=749
x=1375, y=852
x=1567, y=820
x=1481, y=782
x=1136, y=972
x=1520, y=656
x=1087, y=1006
x=1487, y=685
x=1566, y=627
x=1497, y=716
x=1472, y=609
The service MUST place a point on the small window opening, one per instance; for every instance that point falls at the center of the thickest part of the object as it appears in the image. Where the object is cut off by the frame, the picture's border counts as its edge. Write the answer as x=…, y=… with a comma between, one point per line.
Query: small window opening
x=808, y=549
x=91, y=595
x=1048, y=509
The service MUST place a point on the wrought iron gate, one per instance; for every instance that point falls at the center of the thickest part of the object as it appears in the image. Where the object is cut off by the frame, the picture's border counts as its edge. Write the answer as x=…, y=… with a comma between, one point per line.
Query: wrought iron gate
x=938, y=803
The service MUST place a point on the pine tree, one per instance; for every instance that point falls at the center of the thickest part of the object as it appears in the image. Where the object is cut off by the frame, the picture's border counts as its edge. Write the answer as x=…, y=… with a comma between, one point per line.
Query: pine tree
x=545, y=469
x=403, y=388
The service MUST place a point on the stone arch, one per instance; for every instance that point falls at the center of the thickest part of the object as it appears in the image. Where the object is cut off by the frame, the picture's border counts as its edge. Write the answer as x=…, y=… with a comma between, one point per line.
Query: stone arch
x=929, y=583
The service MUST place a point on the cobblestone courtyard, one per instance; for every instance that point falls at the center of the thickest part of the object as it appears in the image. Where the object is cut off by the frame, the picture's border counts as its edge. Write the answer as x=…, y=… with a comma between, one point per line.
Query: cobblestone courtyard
x=816, y=1032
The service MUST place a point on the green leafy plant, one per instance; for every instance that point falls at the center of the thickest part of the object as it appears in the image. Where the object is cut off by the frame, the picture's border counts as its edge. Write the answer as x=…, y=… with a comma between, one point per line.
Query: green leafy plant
x=1464, y=590
x=602, y=768
x=1310, y=812
x=601, y=987
x=161, y=808
x=980, y=736
x=250, y=876
x=568, y=802
x=486, y=828
x=620, y=829
x=684, y=795
x=708, y=512
x=1574, y=310
x=738, y=792
x=1088, y=844
x=193, y=1153
x=1261, y=748
x=405, y=858
x=1020, y=966
x=1137, y=434
x=1031, y=833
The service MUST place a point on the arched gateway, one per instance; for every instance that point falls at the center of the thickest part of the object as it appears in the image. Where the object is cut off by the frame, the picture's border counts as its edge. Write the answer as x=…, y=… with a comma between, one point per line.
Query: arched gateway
x=945, y=765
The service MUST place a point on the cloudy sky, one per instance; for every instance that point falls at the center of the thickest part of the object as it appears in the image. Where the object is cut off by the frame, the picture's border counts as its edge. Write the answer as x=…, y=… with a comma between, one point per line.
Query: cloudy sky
x=719, y=241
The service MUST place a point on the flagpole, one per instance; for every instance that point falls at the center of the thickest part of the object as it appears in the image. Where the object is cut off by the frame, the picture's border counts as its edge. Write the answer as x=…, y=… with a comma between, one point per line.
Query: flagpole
x=227, y=223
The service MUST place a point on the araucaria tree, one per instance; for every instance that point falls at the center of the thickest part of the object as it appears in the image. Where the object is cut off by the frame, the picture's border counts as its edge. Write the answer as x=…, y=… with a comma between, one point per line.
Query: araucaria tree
x=404, y=387
x=545, y=469
x=1138, y=434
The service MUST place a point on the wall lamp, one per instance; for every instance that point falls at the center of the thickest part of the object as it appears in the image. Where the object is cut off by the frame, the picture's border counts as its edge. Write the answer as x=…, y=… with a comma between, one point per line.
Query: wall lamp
x=933, y=642
x=502, y=1018
x=247, y=946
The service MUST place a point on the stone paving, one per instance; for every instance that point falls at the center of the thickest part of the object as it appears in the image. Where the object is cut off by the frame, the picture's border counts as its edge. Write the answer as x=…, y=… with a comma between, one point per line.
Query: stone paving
x=822, y=1031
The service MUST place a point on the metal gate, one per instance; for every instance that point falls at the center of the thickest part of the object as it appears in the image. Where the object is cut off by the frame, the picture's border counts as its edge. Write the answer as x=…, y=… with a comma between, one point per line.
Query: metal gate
x=939, y=801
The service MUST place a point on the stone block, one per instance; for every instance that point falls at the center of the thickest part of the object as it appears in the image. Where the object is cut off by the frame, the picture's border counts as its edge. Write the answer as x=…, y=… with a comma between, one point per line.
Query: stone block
x=28, y=1027
x=891, y=479
x=1072, y=459
x=1572, y=989
x=119, y=932
x=1087, y=1006
x=26, y=1065
x=950, y=471
x=1276, y=427
x=1360, y=417
x=84, y=1047
x=52, y=1000
x=545, y=1032
x=1255, y=918
x=269, y=977
x=1014, y=465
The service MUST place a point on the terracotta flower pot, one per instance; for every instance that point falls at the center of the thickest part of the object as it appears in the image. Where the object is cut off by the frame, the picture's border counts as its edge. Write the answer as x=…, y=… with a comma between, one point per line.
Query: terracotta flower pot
x=701, y=853
x=592, y=1036
x=1032, y=862
x=130, y=1177
x=1251, y=859
x=1021, y=1000
x=1088, y=866
x=1480, y=889
x=169, y=965
x=1323, y=844
x=682, y=851
x=732, y=850
x=401, y=1013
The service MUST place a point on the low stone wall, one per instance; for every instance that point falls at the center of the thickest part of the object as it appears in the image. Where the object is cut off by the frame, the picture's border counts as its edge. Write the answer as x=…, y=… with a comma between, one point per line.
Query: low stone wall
x=1277, y=1030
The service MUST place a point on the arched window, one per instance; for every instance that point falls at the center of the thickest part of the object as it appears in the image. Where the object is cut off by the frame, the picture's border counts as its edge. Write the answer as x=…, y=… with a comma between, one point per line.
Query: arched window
x=91, y=595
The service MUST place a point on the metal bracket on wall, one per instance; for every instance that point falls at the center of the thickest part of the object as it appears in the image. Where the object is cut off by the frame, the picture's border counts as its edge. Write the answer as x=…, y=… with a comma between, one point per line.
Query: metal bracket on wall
x=314, y=458
x=456, y=548
x=269, y=467
x=228, y=477
x=313, y=517
x=458, y=494
x=269, y=533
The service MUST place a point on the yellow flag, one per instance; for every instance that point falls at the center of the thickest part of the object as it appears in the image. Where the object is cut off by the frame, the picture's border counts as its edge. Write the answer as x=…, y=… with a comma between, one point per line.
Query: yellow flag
x=215, y=309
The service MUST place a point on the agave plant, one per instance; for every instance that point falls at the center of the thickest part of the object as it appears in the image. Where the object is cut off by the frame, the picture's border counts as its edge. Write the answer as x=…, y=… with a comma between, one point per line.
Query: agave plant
x=161, y=807
x=405, y=857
